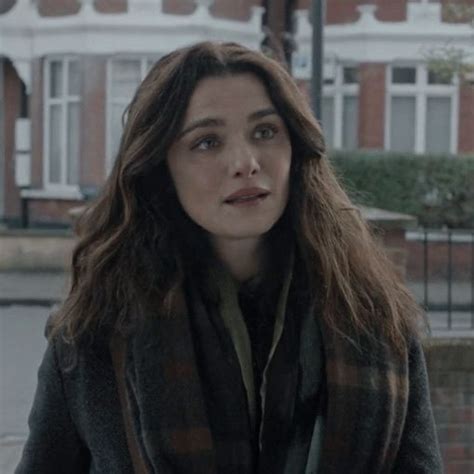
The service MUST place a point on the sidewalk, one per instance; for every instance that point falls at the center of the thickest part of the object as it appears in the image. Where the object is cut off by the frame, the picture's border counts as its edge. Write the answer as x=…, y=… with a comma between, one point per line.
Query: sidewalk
x=10, y=453
x=32, y=289
x=25, y=302
x=22, y=345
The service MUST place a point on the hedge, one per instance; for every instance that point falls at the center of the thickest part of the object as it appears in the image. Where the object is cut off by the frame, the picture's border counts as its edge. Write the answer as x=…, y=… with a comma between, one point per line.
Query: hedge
x=438, y=190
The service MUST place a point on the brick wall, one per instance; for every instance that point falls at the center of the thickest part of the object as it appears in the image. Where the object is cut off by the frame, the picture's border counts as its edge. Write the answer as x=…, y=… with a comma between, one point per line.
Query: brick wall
x=12, y=98
x=231, y=9
x=451, y=375
x=466, y=118
x=345, y=11
x=52, y=212
x=461, y=260
x=411, y=254
x=342, y=11
x=58, y=7
x=390, y=10
x=371, y=105
x=393, y=241
x=178, y=7
x=93, y=129
x=110, y=6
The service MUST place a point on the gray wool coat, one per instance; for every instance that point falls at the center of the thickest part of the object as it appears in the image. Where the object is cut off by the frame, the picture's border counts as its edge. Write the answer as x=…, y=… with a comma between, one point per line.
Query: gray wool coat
x=77, y=425
x=76, y=422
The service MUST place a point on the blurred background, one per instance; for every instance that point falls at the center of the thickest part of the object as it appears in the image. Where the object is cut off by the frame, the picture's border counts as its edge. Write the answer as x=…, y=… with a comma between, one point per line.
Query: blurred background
x=391, y=81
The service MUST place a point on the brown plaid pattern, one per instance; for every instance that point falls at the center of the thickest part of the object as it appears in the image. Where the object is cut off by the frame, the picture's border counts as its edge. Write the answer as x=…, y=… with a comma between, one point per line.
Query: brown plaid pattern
x=188, y=406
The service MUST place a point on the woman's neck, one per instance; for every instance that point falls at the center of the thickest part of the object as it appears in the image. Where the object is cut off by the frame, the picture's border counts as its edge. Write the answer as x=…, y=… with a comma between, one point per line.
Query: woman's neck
x=242, y=257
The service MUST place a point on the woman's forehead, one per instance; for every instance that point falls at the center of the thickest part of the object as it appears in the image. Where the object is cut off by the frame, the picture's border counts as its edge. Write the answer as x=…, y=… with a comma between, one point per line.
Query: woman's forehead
x=228, y=94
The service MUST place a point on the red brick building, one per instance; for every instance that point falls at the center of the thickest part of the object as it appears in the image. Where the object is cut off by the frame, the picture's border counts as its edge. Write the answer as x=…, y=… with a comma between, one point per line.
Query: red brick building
x=378, y=90
x=69, y=67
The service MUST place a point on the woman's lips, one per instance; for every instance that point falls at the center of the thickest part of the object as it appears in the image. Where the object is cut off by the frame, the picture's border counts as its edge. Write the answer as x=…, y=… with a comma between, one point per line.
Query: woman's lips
x=245, y=194
x=247, y=200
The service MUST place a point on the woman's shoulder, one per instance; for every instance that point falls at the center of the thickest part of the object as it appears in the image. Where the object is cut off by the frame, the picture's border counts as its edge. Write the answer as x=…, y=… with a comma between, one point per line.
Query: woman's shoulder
x=90, y=350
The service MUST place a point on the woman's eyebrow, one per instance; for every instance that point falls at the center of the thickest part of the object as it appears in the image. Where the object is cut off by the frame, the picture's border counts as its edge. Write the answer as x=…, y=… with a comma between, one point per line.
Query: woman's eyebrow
x=262, y=113
x=204, y=122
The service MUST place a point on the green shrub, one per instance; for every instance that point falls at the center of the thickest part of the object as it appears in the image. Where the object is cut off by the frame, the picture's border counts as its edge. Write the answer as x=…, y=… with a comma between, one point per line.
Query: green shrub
x=438, y=190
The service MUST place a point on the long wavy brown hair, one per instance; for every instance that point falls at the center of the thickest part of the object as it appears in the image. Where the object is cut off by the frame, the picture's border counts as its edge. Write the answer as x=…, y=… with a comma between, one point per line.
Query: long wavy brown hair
x=134, y=239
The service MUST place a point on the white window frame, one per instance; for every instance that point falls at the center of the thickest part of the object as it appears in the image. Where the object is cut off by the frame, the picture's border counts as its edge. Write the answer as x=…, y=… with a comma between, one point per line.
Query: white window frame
x=62, y=187
x=421, y=91
x=111, y=101
x=338, y=91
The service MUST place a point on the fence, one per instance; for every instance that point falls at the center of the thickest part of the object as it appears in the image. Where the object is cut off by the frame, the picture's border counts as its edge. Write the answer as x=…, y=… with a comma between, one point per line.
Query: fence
x=441, y=273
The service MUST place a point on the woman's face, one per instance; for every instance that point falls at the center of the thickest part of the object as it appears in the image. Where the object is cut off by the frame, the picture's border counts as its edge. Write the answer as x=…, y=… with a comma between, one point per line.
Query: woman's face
x=230, y=163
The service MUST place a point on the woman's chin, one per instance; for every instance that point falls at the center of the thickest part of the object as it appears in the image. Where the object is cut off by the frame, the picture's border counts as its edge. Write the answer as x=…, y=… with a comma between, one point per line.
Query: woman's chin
x=243, y=232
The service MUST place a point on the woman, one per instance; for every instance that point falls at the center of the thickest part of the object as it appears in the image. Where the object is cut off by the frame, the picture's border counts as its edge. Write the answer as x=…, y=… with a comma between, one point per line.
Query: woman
x=229, y=309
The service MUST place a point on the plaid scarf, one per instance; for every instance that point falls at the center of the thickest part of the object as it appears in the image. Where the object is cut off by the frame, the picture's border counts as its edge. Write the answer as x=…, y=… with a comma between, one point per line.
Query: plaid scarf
x=186, y=409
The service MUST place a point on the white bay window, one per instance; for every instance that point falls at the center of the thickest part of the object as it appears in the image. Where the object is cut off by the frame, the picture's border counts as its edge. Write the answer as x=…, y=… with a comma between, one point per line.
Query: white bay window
x=62, y=122
x=421, y=111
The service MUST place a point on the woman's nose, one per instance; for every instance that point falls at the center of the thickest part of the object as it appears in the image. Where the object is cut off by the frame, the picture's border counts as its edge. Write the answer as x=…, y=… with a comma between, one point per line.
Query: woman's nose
x=243, y=161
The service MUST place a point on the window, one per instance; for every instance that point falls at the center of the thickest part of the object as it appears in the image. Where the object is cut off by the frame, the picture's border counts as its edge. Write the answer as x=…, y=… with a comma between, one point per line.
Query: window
x=62, y=122
x=340, y=108
x=438, y=129
x=404, y=75
x=327, y=119
x=403, y=123
x=124, y=76
x=350, y=112
x=421, y=110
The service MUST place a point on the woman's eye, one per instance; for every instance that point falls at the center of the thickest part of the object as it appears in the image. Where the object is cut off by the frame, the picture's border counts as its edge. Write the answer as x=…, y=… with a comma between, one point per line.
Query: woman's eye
x=205, y=144
x=265, y=133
